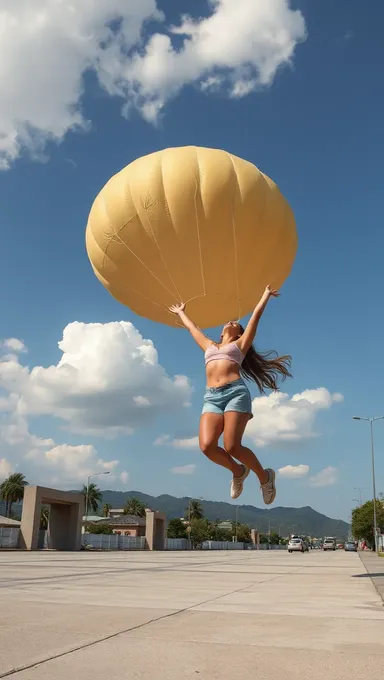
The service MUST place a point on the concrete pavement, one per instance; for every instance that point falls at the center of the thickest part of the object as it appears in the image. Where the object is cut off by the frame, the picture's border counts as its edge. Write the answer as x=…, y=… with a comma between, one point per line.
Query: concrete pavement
x=168, y=616
x=375, y=570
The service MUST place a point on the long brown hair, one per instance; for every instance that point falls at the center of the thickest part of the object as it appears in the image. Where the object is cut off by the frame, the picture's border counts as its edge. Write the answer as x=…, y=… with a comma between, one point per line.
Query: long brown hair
x=265, y=368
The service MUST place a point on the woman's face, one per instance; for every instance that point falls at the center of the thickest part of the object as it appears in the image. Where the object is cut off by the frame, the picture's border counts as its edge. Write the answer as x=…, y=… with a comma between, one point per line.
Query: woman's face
x=232, y=329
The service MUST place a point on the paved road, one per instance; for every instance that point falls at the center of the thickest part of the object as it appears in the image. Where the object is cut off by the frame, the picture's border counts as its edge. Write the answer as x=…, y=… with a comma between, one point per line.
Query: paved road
x=206, y=615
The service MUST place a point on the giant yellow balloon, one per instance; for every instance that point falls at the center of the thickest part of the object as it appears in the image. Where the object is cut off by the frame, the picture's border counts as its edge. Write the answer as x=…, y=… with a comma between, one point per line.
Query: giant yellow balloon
x=195, y=225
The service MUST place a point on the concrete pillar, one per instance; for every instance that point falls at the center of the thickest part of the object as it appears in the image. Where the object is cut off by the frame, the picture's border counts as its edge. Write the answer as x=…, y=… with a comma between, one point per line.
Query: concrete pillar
x=76, y=512
x=155, y=530
x=65, y=518
x=30, y=519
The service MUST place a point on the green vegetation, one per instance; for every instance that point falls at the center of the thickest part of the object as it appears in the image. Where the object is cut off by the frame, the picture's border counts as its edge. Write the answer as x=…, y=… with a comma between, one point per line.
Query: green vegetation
x=362, y=521
x=94, y=498
x=106, y=509
x=98, y=528
x=200, y=532
x=12, y=490
x=194, y=510
x=201, y=529
x=135, y=507
x=44, y=517
x=176, y=529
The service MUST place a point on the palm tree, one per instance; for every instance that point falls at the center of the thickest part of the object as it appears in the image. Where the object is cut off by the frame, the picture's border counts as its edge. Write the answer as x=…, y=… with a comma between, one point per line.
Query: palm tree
x=44, y=517
x=195, y=510
x=94, y=497
x=106, y=509
x=12, y=490
x=134, y=507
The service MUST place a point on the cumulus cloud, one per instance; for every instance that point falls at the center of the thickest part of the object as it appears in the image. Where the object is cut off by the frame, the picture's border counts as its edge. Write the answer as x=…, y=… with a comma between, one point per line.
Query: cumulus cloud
x=279, y=418
x=187, y=443
x=238, y=47
x=5, y=468
x=66, y=463
x=326, y=477
x=107, y=382
x=14, y=345
x=183, y=470
x=294, y=471
x=42, y=459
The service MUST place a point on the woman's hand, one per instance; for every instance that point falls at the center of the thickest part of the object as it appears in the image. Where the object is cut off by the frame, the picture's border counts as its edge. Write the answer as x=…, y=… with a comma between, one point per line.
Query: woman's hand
x=271, y=292
x=176, y=309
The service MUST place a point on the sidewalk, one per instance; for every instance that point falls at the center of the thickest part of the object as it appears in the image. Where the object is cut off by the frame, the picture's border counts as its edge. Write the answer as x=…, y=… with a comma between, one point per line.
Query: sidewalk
x=375, y=568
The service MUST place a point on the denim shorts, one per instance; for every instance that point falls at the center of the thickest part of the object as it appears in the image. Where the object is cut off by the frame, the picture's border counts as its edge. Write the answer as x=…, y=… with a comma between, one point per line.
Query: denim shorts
x=234, y=396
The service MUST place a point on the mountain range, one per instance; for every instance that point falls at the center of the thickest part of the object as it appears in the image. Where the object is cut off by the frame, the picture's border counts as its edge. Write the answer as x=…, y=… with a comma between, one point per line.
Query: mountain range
x=305, y=521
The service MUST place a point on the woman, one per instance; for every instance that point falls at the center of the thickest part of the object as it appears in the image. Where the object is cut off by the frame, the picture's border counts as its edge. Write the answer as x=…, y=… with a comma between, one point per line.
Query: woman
x=227, y=401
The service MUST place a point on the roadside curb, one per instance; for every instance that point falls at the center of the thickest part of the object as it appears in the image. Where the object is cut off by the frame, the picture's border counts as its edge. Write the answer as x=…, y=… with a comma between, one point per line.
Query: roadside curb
x=375, y=570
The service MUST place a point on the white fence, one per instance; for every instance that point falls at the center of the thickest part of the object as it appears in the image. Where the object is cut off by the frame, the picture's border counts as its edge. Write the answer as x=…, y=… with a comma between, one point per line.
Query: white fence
x=176, y=544
x=222, y=545
x=9, y=538
x=112, y=542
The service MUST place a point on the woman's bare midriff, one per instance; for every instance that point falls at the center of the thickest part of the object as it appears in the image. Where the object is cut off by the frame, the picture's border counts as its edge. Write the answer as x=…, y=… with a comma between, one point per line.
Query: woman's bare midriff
x=220, y=373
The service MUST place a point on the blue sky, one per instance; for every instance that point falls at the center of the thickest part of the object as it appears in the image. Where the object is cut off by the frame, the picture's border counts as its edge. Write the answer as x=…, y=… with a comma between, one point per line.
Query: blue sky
x=315, y=128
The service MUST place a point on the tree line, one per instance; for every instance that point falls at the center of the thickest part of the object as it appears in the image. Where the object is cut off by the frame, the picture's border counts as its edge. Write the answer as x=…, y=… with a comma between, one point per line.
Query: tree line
x=362, y=521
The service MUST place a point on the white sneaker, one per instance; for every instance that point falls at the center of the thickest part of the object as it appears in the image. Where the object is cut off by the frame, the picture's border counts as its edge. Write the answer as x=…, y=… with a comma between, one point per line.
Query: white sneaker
x=269, y=489
x=238, y=483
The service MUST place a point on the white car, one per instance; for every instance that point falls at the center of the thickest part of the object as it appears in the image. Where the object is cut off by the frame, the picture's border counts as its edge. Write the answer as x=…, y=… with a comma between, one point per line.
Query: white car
x=296, y=545
x=329, y=544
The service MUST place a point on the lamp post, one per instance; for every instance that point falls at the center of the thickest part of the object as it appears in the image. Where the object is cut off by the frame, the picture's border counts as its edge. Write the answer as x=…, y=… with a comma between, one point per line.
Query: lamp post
x=371, y=421
x=236, y=521
x=94, y=474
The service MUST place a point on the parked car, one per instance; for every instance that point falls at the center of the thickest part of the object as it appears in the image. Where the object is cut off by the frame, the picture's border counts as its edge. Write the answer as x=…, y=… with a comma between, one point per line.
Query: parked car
x=350, y=546
x=296, y=545
x=329, y=544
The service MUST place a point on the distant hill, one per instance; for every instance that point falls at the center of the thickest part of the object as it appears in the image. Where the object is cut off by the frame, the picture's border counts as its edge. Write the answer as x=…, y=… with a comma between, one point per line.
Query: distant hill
x=290, y=520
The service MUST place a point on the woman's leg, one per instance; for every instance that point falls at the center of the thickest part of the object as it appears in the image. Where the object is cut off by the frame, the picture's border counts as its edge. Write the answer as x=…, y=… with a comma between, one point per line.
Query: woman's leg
x=211, y=428
x=234, y=426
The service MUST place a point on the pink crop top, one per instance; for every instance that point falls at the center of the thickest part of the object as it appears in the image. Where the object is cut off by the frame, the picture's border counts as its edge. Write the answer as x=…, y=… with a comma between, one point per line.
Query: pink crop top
x=230, y=352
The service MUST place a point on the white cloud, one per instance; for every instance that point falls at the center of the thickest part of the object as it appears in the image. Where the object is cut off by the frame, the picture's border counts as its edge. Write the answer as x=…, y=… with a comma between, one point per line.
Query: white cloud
x=107, y=382
x=66, y=463
x=14, y=345
x=183, y=470
x=46, y=47
x=124, y=477
x=294, y=471
x=326, y=477
x=188, y=443
x=43, y=460
x=5, y=468
x=279, y=418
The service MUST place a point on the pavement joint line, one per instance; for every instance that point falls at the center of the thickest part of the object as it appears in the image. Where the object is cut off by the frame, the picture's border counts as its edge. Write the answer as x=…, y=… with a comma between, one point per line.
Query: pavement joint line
x=86, y=645
x=50, y=579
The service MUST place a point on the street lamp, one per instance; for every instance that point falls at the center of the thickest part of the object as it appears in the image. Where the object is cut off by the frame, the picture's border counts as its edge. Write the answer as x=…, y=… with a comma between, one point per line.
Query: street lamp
x=371, y=421
x=94, y=474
